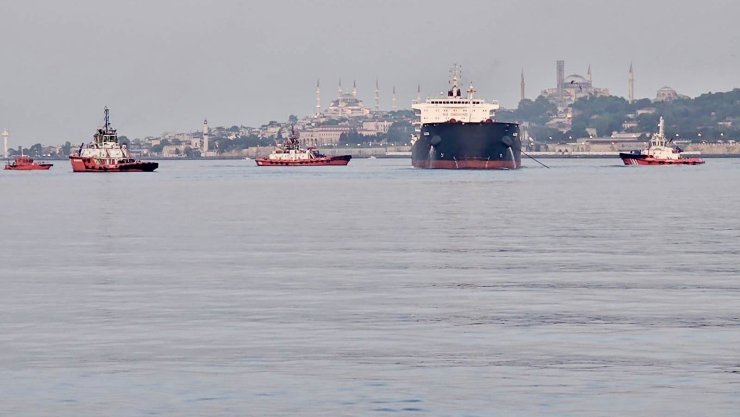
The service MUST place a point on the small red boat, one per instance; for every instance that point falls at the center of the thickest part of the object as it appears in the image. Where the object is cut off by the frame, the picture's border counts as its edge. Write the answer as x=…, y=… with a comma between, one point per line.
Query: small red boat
x=105, y=154
x=291, y=154
x=26, y=163
x=659, y=152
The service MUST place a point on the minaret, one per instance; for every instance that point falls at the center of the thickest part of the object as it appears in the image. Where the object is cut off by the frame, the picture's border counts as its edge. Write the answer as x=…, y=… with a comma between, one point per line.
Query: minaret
x=339, y=90
x=631, y=85
x=5, y=143
x=589, y=73
x=521, y=87
x=354, y=88
x=318, y=100
x=560, y=79
x=205, y=137
x=393, y=100
x=418, y=93
x=377, y=96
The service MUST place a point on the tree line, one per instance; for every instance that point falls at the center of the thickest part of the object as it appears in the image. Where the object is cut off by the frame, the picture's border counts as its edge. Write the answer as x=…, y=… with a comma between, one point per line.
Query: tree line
x=708, y=117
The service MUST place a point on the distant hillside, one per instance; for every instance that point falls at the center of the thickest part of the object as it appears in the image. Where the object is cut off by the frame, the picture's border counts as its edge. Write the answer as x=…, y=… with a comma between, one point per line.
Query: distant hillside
x=710, y=117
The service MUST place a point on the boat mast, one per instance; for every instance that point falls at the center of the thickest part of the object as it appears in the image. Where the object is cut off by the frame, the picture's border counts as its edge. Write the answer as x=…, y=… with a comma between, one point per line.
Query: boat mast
x=107, y=118
x=658, y=139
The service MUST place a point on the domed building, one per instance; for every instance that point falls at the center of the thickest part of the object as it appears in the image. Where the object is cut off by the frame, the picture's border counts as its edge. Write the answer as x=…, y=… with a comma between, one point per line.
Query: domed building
x=347, y=105
x=571, y=88
x=666, y=94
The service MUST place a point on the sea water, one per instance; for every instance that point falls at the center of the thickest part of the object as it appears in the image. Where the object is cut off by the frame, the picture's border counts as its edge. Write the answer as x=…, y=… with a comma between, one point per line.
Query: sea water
x=220, y=288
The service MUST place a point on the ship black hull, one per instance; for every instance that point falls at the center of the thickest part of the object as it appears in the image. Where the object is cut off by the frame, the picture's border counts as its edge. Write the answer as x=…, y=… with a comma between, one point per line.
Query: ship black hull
x=457, y=145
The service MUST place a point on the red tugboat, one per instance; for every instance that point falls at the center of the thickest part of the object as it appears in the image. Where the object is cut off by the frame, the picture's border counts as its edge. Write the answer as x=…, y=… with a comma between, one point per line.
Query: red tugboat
x=25, y=163
x=291, y=154
x=105, y=154
x=658, y=152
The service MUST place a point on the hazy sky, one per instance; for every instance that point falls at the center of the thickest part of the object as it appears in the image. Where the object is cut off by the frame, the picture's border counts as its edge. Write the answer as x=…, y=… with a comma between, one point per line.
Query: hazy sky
x=164, y=65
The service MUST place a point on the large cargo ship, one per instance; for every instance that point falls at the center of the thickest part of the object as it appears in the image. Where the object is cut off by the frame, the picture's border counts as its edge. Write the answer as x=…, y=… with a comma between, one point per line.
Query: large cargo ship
x=455, y=132
x=105, y=154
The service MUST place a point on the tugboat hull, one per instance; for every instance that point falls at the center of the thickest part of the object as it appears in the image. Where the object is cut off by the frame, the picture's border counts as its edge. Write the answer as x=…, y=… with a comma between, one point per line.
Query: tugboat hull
x=458, y=145
x=34, y=167
x=637, y=159
x=327, y=161
x=26, y=163
x=81, y=164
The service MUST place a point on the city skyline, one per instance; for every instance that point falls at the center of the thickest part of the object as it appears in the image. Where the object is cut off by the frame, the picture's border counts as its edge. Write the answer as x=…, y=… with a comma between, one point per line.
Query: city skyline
x=248, y=64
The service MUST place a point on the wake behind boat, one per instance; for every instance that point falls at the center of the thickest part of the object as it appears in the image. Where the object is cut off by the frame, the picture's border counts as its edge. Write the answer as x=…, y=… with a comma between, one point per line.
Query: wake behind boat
x=291, y=154
x=105, y=154
x=658, y=152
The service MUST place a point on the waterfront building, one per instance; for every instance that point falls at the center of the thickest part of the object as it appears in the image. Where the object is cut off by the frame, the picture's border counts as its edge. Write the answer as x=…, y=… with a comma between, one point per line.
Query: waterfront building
x=375, y=127
x=323, y=135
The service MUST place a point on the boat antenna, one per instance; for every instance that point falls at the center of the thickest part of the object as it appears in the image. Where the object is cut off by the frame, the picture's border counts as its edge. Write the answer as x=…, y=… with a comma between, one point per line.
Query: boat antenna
x=107, y=118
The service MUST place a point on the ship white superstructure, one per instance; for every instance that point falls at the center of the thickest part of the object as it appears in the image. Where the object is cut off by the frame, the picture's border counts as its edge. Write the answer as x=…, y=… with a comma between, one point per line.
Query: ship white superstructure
x=454, y=106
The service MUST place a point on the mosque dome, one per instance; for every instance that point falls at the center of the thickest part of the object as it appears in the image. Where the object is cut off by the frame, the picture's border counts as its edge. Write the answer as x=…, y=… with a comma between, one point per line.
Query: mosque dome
x=347, y=105
x=666, y=94
x=575, y=79
x=347, y=100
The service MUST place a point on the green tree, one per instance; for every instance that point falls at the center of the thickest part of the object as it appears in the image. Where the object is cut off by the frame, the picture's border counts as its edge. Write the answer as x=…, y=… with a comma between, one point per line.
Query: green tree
x=35, y=150
x=191, y=153
x=399, y=132
x=537, y=112
x=352, y=138
x=66, y=149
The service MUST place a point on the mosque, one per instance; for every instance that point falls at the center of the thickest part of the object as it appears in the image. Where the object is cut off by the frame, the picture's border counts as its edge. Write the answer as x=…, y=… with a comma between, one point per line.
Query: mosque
x=571, y=88
x=668, y=94
x=347, y=105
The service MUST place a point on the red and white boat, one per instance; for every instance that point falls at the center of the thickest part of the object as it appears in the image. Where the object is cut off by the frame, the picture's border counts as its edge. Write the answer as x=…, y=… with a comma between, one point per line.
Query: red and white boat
x=291, y=154
x=659, y=152
x=105, y=154
x=26, y=163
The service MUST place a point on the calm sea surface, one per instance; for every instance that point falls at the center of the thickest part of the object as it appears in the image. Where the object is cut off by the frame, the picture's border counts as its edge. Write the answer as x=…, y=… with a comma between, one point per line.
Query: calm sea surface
x=219, y=288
